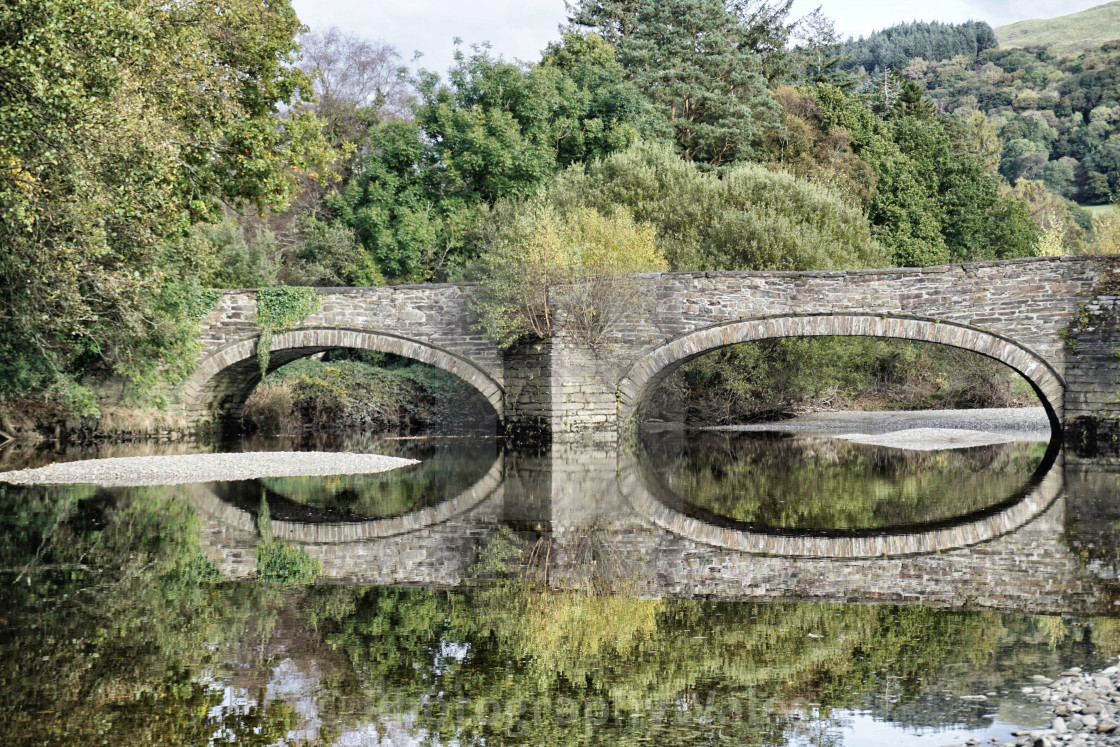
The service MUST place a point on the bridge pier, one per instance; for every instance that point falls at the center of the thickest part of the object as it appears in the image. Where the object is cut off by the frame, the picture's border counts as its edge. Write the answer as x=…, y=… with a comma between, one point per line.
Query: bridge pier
x=1092, y=393
x=558, y=391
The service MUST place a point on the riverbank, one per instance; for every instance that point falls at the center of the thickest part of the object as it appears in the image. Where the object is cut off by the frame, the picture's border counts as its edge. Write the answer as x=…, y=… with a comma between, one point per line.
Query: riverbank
x=1086, y=710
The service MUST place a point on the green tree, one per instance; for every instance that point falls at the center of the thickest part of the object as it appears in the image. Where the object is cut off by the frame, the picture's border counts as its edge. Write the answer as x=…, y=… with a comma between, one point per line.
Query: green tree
x=123, y=124
x=819, y=53
x=893, y=47
x=933, y=202
x=494, y=130
x=390, y=207
x=240, y=263
x=746, y=217
x=544, y=265
x=700, y=62
x=600, y=111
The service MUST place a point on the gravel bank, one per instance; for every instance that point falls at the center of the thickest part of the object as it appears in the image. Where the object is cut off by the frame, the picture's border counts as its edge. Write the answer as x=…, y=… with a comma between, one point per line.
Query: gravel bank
x=932, y=439
x=924, y=429
x=184, y=468
x=1086, y=710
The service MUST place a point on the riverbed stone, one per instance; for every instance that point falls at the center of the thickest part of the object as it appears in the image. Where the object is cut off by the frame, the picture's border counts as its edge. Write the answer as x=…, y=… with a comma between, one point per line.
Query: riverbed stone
x=1076, y=719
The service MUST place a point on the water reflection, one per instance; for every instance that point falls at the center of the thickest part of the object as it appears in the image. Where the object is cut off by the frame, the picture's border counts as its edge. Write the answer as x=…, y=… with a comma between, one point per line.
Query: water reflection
x=791, y=482
x=448, y=467
x=548, y=611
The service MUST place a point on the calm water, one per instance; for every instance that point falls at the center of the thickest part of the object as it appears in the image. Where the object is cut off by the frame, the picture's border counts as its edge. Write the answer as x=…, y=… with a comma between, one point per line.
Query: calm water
x=556, y=604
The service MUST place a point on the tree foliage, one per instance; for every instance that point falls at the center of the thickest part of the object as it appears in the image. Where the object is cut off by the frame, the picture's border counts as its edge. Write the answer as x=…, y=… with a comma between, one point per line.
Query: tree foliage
x=494, y=130
x=933, y=201
x=894, y=47
x=545, y=266
x=120, y=125
x=703, y=63
x=357, y=83
x=743, y=218
x=1054, y=114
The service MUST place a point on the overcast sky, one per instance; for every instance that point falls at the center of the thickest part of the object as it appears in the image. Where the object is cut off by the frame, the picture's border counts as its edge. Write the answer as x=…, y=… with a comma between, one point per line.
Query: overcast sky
x=521, y=28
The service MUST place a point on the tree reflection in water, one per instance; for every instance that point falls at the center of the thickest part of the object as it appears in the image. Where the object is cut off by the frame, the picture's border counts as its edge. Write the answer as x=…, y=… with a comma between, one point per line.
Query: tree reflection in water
x=115, y=628
x=781, y=481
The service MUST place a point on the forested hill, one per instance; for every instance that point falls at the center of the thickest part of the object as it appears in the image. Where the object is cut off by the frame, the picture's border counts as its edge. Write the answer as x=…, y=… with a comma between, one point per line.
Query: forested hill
x=1057, y=118
x=1046, y=97
x=1089, y=28
x=894, y=47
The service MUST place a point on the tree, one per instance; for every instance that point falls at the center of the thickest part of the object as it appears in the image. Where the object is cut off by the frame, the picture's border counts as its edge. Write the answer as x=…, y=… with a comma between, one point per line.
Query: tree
x=600, y=111
x=819, y=51
x=894, y=47
x=494, y=130
x=1106, y=232
x=121, y=125
x=982, y=140
x=543, y=264
x=388, y=204
x=358, y=83
x=745, y=217
x=701, y=62
x=1052, y=215
x=805, y=149
x=1097, y=188
x=933, y=201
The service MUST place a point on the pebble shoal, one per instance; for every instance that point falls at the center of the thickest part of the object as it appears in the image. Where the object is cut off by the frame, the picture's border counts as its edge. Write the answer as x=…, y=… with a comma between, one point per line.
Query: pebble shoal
x=1085, y=706
x=186, y=468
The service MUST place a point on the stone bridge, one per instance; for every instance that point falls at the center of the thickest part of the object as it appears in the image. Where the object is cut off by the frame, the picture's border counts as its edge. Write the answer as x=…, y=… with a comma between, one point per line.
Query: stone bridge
x=1054, y=320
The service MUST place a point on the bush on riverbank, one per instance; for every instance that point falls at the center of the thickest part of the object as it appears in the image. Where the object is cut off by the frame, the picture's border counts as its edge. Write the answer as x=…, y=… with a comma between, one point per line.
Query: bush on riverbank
x=365, y=392
x=779, y=378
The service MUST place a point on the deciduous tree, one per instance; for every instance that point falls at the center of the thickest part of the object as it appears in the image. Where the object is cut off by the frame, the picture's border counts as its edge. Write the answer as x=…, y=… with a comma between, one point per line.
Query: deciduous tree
x=120, y=125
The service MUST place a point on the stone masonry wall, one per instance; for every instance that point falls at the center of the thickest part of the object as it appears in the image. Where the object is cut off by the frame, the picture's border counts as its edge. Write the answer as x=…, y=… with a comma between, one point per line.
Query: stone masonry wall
x=1092, y=394
x=572, y=392
x=438, y=315
x=433, y=323
x=571, y=498
x=1031, y=302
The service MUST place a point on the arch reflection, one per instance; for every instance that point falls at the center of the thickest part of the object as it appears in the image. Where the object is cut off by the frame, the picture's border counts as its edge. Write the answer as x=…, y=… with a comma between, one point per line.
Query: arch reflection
x=980, y=517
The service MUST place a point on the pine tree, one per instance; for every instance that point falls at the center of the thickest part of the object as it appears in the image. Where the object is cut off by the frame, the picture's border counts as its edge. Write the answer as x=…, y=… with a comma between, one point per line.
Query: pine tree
x=697, y=61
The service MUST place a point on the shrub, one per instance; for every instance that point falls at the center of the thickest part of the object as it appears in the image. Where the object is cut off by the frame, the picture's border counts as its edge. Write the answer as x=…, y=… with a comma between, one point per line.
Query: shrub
x=271, y=408
x=744, y=218
x=348, y=393
x=283, y=563
x=545, y=263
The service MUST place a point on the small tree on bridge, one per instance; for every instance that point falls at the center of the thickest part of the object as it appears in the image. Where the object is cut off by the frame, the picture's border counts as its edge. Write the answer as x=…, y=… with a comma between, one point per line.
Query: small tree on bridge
x=546, y=266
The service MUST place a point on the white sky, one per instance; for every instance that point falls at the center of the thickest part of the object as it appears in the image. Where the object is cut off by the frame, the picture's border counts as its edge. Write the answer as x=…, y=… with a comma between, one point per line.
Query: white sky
x=521, y=28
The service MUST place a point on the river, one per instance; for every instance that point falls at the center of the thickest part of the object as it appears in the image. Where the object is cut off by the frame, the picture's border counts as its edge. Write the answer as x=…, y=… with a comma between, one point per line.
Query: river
x=790, y=586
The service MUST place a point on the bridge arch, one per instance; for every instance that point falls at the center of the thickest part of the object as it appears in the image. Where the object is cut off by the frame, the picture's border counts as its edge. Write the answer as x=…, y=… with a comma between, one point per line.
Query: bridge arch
x=648, y=372
x=224, y=379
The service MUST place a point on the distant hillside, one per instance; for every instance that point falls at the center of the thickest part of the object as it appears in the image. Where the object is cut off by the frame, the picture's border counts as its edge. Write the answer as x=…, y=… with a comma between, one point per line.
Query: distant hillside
x=1086, y=29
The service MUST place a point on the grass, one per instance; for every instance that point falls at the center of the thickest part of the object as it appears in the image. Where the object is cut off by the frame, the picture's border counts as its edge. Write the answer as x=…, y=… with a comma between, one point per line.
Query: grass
x=1068, y=33
x=1096, y=210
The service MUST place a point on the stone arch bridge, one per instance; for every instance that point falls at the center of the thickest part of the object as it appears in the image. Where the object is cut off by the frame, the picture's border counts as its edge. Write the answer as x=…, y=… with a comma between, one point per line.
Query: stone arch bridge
x=1054, y=320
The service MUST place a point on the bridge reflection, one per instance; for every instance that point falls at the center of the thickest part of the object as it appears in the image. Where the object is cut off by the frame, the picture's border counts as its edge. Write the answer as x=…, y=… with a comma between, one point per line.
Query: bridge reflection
x=1047, y=549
